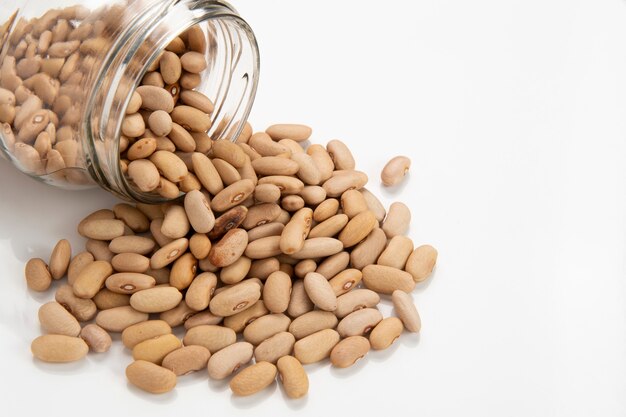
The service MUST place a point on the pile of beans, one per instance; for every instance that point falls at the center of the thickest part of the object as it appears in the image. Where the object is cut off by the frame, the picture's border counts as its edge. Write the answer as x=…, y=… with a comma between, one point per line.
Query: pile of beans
x=275, y=254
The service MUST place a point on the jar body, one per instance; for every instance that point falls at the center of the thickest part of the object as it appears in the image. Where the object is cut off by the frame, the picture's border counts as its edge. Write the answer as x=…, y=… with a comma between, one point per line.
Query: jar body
x=68, y=75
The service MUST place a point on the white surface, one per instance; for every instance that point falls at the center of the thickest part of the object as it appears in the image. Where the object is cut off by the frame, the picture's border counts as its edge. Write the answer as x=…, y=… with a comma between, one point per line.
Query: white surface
x=514, y=114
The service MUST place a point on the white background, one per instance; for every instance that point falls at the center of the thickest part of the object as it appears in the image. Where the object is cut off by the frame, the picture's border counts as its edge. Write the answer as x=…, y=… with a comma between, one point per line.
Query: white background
x=514, y=114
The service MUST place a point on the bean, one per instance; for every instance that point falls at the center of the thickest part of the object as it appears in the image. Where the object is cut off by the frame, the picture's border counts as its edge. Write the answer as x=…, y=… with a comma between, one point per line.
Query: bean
x=300, y=303
x=267, y=193
x=359, y=322
x=395, y=170
x=183, y=271
x=129, y=282
x=229, y=152
x=170, y=67
x=356, y=300
x=307, y=171
x=191, y=118
x=200, y=291
x=239, y=321
x=137, y=333
x=253, y=379
x=156, y=349
x=155, y=98
x=103, y=229
x=229, y=220
x=292, y=238
x=353, y=203
x=150, y=377
x=341, y=155
x=132, y=217
x=326, y=210
x=265, y=327
x=96, y=337
x=316, y=347
x=169, y=253
x=322, y=160
x=187, y=359
x=261, y=214
x=312, y=322
x=100, y=250
x=82, y=309
x=348, y=180
x=320, y=292
x=397, y=221
x=295, y=132
x=293, y=377
x=59, y=348
x=202, y=318
x=385, y=333
x=266, y=230
x=368, y=251
x=156, y=300
x=406, y=310
x=286, y=184
x=421, y=262
x=264, y=247
x=236, y=272
x=134, y=104
x=55, y=319
x=144, y=174
x=348, y=351
x=181, y=138
x=132, y=244
x=385, y=279
x=212, y=337
x=232, y=195
x=193, y=62
x=333, y=265
x=397, y=252
x=119, y=318
x=318, y=247
x=345, y=281
x=38, y=277
x=228, y=360
x=229, y=248
x=106, y=299
x=130, y=262
x=330, y=227
x=160, y=123
x=91, y=278
x=199, y=212
x=198, y=100
x=275, y=347
x=133, y=126
x=277, y=292
x=235, y=299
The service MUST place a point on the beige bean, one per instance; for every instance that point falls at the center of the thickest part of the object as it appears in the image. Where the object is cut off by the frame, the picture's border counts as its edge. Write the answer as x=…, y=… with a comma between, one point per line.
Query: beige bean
x=277, y=292
x=169, y=165
x=356, y=300
x=229, y=220
x=132, y=217
x=421, y=262
x=170, y=67
x=187, y=359
x=235, y=272
x=150, y=377
x=316, y=347
x=292, y=238
x=322, y=160
x=102, y=229
x=200, y=291
x=296, y=132
x=106, y=299
x=262, y=143
x=202, y=318
x=348, y=351
x=119, y=318
x=304, y=267
x=235, y=299
x=77, y=264
x=130, y=262
x=191, y=118
x=99, y=249
x=207, y=174
x=183, y=271
x=264, y=247
x=385, y=279
x=160, y=123
x=320, y=292
x=326, y=210
x=345, y=281
x=227, y=172
x=292, y=203
x=260, y=214
x=229, y=248
x=156, y=300
x=133, y=126
x=82, y=309
x=330, y=227
x=232, y=195
x=275, y=347
x=132, y=244
x=253, y=379
x=267, y=193
x=156, y=349
x=359, y=322
x=55, y=319
x=169, y=253
x=59, y=348
x=193, y=62
x=155, y=98
x=293, y=377
x=308, y=170
x=274, y=165
x=229, y=152
x=374, y=204
x=199, y=245
x=333, y=265
x=190, y=81
x=96, y=337
x=406, y=311
x=353, y=203
x=266, y=230
x=397, y=221
x=347, y=180
x=312, y=322
x=198, y=100
x=239, y=321
x=134, y=104
x=300, y=302
x=265, y=327
x=129, y=282
x=395, y=170
x=368, y=251
x=198, y=211
x=91, y=278
x=228, y=360
x=212, y=337
x=397, y=252
x=286, y=184
x=341, y=155
x=144, y=174
x=37, y=275
x=385, y=333
x=181, y=138
x=318, y=247
x=137, y=333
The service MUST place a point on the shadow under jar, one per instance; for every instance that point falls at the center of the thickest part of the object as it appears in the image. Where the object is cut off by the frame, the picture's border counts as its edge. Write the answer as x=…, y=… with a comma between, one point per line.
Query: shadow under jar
x=70, y=78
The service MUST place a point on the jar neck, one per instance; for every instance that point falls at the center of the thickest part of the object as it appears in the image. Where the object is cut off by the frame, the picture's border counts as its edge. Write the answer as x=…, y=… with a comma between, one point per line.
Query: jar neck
x=230, y=81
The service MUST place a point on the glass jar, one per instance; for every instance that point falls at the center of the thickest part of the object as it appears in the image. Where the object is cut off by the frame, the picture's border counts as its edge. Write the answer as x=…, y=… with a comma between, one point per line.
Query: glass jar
x=68, y=74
